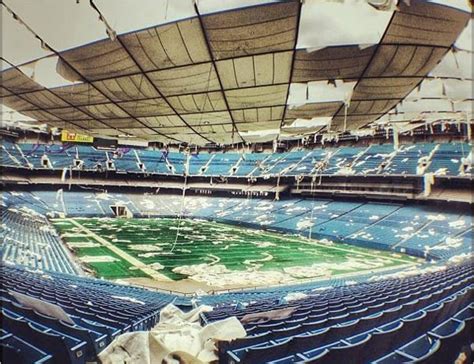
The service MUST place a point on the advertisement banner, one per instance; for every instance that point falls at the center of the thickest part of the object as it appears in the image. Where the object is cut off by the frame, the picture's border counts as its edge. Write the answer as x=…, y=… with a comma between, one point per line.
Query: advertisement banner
x=67, y=136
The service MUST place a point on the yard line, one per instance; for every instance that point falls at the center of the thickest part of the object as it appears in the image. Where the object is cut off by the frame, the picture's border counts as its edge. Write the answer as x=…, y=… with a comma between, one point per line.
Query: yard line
x=125, y=256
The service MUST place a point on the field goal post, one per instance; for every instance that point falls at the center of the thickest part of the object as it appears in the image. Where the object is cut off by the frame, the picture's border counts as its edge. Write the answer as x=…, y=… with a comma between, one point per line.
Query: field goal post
x=121, y=211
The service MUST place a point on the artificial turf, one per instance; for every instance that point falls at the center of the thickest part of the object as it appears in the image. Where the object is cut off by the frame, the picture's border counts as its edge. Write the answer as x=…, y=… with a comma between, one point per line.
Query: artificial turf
x=198, y=242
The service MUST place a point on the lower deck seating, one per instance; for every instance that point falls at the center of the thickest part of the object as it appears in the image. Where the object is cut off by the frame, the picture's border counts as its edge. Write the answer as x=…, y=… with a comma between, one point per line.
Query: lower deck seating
x=386, y=320
x=125, y=161
x=389, y=321
x=98, y=312
x=424, y=317
x=28, y=239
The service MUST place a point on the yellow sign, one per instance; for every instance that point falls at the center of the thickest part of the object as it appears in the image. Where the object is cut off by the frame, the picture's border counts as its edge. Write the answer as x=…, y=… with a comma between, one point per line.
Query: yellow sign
x=67, y=136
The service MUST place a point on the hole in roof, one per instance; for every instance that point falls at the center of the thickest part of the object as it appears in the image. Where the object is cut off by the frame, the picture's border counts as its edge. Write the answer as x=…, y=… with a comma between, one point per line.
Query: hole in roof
x=454, y=64
x=320, y=91
x=328, y=23
x=10, y=118
x=48, y=73
x=65, y=24
x=464, y=40
x=20, y=45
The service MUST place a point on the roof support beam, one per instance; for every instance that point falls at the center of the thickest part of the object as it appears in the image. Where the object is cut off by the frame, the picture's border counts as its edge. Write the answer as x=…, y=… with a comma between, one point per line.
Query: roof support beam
x=59, y=97
x=160, y=93
x=58, y=54
x=293, y=58
x=208, y=45
x=144, y=74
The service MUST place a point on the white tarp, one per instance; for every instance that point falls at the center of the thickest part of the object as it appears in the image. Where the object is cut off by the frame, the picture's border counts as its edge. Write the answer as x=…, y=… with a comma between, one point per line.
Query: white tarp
x=320, y=91
x=46, y=308
x=260, y=135
x=429, y=88
x=177, y=335
x=458, y=89
x=422, y=105
x=311, y=123
x=69, y=24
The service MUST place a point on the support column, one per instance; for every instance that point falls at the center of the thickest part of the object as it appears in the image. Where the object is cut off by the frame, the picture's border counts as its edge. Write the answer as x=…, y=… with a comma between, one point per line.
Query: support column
x=428, y=180
x=395, y=137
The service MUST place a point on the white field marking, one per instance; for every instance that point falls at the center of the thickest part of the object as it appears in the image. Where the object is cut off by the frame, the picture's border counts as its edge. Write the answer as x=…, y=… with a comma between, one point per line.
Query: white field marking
x=127, y=257
x=314, y=242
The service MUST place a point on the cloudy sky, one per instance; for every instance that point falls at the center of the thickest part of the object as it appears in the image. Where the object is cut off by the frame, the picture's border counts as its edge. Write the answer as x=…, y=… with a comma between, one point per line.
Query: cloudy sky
x=65, y=24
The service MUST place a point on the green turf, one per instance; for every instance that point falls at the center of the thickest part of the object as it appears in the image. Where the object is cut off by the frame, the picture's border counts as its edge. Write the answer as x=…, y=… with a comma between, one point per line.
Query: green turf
x=117, y=269
x=199, y=242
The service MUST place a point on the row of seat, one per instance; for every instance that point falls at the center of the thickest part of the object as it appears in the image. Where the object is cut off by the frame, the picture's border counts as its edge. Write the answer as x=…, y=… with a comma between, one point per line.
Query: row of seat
x=336, y=298
x=442, y=159
x=30, y=240
x=383, y=321
x=334, y=318
x=397, y=328
x=99, y=312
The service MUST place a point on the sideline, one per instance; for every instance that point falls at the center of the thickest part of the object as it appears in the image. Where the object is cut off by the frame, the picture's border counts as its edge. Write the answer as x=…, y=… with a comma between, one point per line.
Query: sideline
x=315, y=242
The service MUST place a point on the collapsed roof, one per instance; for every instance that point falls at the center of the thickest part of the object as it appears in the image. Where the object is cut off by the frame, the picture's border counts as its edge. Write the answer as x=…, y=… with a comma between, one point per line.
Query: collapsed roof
x=270, y=70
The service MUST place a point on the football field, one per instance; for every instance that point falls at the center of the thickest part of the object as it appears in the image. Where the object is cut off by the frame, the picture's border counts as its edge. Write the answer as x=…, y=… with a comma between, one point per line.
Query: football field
x=216, y=254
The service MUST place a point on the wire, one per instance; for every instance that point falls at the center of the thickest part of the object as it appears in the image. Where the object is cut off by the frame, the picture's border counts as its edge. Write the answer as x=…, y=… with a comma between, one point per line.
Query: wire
x=312, y=214
x=181, y=213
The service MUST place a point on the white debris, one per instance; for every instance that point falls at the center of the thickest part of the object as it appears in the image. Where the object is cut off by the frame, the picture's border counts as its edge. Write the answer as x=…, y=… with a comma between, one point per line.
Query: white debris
x=156, y=266
x=294, y=296
x=457, y=224
x=145, y=247
x=304, y=224
x=98, y=259
x=438, y=217
x=129, y=299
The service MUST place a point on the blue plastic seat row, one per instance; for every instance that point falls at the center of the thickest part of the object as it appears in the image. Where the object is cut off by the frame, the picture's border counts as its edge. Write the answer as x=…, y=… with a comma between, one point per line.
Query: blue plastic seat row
x=345, y=160
x=98, y=312
x=332, y=344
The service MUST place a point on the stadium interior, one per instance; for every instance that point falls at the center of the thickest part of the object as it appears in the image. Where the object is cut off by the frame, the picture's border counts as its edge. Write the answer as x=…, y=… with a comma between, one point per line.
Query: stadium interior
x=244, y=181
